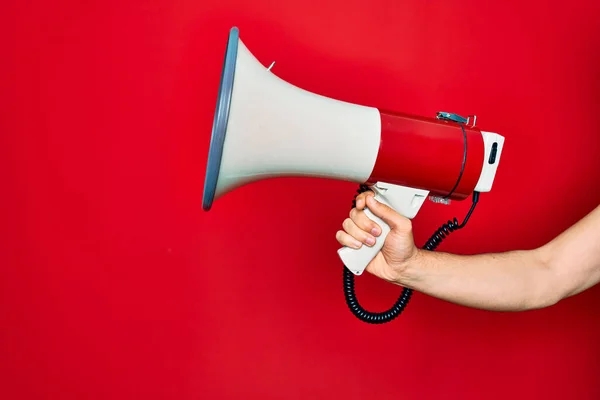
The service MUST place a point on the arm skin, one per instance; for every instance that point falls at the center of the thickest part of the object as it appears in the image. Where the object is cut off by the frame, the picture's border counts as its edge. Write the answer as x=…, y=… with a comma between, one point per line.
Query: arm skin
x=516, y=280
x=512, y=281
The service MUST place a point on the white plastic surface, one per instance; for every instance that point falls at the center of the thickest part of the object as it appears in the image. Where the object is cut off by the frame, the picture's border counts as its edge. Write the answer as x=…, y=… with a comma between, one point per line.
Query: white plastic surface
x=276, y=129
x=404, y=200
x=488, y=172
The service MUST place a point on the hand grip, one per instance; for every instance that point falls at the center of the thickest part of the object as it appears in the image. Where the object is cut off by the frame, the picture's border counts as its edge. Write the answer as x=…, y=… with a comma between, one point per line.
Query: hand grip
x=356, y=260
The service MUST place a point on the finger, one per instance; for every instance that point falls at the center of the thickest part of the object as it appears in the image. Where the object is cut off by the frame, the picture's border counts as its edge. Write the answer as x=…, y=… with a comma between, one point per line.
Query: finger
x=353, y=230
x=346, y=240
x=364, y=222
x=389, y=215
x=361, y=199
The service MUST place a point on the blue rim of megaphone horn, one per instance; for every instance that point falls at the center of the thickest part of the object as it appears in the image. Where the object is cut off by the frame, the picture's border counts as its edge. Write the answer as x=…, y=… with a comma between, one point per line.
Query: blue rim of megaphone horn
x=221, y=118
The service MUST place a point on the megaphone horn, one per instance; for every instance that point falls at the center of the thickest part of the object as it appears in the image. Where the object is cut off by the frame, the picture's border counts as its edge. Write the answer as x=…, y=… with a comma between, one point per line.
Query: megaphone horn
x=265, y=127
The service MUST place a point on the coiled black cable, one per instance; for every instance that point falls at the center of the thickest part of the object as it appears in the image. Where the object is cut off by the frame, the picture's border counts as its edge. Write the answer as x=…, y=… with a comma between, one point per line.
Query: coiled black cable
x=449, y=227
x=386, y=316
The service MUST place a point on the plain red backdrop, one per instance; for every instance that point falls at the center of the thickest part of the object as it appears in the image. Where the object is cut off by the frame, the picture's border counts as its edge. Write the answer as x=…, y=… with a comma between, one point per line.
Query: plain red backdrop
x=115, y=285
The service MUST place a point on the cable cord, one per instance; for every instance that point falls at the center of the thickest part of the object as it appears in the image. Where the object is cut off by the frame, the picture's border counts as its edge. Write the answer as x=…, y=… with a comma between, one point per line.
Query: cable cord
x=386, y=316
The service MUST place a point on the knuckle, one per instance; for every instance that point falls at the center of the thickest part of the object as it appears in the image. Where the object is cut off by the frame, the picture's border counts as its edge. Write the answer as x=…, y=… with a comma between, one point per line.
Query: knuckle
x=405, y=224
x=347, y=224
x=365, y=220
x=358, y=216
x=363, y=195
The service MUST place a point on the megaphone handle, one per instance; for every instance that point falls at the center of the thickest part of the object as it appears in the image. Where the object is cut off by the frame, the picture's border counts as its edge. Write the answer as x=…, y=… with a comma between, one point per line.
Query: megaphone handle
x=356, y=260
x=404, y=200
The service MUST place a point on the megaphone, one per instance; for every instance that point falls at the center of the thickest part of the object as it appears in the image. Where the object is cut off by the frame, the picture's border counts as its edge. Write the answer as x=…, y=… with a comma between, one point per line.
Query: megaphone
x=265, y=127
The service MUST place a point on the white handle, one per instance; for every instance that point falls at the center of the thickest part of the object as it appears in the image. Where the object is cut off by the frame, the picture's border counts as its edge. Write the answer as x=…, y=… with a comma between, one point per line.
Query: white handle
x=356, y=260
x=404, y=200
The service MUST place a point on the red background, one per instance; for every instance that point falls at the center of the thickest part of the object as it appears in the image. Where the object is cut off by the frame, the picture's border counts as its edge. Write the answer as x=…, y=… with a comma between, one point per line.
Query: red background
x=115, y=285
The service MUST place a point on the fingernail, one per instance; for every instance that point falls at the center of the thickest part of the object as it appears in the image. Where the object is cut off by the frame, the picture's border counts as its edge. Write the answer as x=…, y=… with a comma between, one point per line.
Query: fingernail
x=375, y=231
x=370, y=241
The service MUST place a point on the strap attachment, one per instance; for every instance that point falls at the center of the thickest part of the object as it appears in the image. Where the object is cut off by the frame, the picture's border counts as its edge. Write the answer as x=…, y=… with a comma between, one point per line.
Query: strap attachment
x=456, y=118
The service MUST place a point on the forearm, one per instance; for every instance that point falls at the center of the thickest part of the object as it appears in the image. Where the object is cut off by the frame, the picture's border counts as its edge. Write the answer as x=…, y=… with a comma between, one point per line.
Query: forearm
x=511, y=281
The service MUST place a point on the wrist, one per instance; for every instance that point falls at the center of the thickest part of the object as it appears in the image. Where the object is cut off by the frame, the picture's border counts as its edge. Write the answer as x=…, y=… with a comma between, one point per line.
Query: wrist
x=411, y=269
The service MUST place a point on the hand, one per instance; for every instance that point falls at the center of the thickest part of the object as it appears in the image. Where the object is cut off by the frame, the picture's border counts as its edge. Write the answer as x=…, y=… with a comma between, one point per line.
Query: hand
x=399, y=247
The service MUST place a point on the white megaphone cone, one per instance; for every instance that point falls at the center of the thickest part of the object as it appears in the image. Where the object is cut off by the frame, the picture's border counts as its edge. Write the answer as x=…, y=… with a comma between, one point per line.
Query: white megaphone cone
x=265, y=127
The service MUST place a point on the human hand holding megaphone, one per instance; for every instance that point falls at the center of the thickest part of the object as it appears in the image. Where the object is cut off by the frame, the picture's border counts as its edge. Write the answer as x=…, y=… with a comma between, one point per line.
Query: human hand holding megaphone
x=398, y=247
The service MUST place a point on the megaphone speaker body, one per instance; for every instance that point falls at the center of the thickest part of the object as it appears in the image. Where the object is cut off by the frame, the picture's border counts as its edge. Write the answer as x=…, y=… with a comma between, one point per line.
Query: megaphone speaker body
x=265, y=127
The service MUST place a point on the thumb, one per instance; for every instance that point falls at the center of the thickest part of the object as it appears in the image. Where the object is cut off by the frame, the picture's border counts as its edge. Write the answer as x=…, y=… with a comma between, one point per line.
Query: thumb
x=388, y=215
